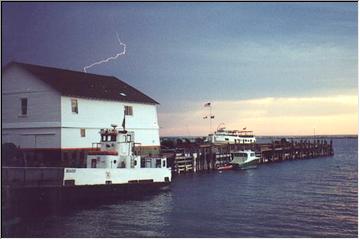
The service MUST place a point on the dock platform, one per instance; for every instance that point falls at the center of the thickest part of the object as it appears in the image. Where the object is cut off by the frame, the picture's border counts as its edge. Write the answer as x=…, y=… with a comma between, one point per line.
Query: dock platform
x=193, y=157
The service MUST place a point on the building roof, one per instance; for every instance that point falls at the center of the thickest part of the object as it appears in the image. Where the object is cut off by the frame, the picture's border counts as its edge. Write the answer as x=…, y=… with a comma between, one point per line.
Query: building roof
x=88, y=85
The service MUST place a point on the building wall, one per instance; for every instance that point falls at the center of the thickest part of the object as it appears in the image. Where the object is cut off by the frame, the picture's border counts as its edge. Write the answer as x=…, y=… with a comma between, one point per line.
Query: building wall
x=50, y=132
x=94, y=115
x=41, y=126
x=32, y=138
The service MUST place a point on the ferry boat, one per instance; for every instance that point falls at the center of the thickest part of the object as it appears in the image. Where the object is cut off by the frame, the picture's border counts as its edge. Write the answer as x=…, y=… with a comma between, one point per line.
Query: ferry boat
x=114, y=162
x=232, y=136
x=112, y=171
x=244, y=159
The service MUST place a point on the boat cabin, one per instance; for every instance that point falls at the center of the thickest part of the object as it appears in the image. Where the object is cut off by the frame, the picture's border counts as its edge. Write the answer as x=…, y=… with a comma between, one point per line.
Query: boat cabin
x=116, y=150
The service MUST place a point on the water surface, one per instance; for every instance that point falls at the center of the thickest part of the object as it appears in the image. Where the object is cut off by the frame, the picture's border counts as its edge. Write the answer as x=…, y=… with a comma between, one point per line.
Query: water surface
x=299, y=198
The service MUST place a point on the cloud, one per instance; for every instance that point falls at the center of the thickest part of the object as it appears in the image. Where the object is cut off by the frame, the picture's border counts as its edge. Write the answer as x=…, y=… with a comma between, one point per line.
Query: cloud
x=336, y=114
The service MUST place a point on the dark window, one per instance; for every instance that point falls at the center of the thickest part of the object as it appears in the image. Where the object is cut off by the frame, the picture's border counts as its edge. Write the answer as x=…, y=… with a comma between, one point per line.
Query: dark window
x=82, y=132
x=74, y=106
x=128, y=138
x=103, y=138
x=128, y=110
x=113, y=138
x=93, y=163
x=24, y=104
x=158, y=163
x=142, y=162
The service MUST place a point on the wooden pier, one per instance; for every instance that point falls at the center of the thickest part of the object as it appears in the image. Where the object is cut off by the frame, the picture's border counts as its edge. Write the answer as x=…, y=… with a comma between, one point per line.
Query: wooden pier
x=204, y=157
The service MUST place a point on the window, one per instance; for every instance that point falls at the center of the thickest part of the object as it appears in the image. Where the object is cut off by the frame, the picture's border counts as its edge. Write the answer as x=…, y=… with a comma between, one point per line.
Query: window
x=82, y=132
x=93, y=163
x=24, y=104
x=74, y=106
x=128, y=110
x=128, y=138
x=158, y=163
x=113, y=138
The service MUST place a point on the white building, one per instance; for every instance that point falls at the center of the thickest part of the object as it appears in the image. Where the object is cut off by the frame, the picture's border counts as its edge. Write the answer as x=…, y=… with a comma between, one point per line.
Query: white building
x=55, y=115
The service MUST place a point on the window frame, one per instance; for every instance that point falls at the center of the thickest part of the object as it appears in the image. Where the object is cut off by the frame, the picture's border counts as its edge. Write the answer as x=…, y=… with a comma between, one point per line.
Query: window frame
x=128, y=110
x=74, y=108
x=24, y=106
x=82, y=132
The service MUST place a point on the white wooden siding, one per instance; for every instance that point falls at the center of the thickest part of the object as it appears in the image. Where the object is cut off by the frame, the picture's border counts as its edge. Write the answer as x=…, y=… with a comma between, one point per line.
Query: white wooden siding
x=33, y=138
x=96, y=114
x=43, y=102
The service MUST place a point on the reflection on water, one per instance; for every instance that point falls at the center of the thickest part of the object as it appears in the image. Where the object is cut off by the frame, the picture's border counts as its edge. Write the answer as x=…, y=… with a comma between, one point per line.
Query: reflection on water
x=302, y=198
x=143, y=217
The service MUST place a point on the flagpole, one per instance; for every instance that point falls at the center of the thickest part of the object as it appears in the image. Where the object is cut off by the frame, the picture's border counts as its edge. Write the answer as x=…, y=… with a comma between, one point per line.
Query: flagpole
x=210, y=120
x=210, y=116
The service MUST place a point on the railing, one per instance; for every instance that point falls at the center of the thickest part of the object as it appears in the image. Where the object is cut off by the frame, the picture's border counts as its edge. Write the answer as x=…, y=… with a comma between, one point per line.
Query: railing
x=29, y=176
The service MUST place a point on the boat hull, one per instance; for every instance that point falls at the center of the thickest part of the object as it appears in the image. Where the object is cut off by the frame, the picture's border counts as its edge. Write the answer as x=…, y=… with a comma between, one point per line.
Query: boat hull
x=20, y=200
x=228, y=167
x=246, y=165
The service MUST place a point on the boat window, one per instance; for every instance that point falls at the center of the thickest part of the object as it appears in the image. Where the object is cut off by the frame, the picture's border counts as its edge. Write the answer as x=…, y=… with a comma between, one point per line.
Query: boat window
x=104, y=138
x=128, y=138
x=93, y=163
x=164, y=163
x=142, y=163
x=158, y=163
x=240, y=155
x=226, y=139
x=252, y=154
x=113, y=137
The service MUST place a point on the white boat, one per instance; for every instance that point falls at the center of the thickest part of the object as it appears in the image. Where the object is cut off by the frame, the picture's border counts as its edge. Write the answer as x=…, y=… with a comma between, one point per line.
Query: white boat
x=244, y=159
x=232, y=136
x=114, y=162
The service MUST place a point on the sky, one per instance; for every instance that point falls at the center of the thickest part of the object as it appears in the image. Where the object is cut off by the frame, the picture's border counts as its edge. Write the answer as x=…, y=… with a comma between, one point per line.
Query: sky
x=274, y=68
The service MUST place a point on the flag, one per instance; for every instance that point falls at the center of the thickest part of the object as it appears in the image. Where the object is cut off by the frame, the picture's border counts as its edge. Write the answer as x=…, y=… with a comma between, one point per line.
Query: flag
x=205, y=117
x=207, y=104
x=212, y=117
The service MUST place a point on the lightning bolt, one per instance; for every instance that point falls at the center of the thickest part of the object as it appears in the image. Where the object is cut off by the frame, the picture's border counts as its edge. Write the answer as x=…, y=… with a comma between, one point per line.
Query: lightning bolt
x=110, y=58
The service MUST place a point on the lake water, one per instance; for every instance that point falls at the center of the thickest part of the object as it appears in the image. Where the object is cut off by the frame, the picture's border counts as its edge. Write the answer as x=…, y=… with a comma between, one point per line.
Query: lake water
x=299, y=198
